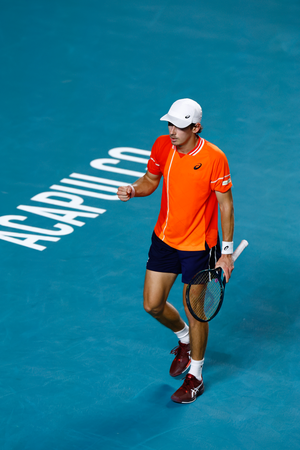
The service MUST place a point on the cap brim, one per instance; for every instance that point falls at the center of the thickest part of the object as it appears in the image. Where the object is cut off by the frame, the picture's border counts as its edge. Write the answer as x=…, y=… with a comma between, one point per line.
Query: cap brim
x=179, y=123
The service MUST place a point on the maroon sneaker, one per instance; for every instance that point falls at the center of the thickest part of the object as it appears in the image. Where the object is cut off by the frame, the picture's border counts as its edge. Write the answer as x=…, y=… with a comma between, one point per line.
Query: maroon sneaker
x=182, y=359
x=189, y=391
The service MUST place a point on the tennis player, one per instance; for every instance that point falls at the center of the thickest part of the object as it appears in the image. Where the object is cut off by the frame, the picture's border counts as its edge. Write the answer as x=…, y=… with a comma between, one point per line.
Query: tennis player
x=196, y=183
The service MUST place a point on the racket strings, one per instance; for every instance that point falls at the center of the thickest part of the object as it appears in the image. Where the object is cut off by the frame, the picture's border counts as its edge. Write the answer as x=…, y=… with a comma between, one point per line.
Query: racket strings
x=205, y=294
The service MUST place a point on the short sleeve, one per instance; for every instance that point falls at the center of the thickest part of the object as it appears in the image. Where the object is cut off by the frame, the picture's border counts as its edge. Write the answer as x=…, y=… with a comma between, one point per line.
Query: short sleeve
x=220, y=177
x=154, y=162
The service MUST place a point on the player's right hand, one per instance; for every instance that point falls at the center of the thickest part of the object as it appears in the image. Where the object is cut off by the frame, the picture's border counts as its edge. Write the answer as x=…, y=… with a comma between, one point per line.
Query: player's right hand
x=124, y=193
x=226, y=262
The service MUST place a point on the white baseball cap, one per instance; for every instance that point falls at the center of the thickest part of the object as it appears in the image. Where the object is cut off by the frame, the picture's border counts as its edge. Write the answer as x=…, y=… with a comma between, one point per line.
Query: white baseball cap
x=184, y=112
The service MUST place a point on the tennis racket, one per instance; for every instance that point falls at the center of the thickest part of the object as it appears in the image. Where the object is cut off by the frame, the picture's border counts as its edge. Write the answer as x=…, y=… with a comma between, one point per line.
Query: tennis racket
x=205, y=292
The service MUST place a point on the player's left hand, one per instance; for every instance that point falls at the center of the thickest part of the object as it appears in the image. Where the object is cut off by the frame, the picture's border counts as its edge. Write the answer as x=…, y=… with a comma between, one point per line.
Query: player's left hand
x=227, y=264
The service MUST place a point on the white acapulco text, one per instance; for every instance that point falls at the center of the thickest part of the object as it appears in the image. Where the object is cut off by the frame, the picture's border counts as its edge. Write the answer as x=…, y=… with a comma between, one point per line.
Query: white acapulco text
x=68, y=199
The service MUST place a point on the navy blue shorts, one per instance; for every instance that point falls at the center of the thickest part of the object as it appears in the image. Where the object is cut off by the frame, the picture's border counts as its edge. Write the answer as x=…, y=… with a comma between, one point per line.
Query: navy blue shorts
x=163, y=258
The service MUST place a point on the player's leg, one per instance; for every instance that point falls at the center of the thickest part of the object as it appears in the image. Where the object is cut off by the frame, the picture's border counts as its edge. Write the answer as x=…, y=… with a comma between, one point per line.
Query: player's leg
x=163, y=266
x=193, y=384
x=198, y=333
x=191, y=263
x=156, y=290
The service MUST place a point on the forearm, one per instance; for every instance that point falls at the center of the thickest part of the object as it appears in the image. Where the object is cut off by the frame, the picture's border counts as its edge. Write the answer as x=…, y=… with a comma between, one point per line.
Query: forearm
x=227, y=222
x=140, y=188
x=225, y=201
x=145, y=186
x=226, y=260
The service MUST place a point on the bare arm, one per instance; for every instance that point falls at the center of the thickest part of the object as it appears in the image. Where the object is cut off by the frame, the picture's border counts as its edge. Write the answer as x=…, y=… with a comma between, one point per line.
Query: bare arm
x=225, y=201
x=143, y=187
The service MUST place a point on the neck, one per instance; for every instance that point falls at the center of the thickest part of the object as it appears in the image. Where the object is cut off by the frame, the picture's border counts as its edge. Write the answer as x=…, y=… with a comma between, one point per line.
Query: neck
x=189, y=145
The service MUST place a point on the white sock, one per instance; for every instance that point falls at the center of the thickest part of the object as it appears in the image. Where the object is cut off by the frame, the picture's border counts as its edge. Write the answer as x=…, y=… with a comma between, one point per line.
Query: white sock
x=183, y=335
x=196, y=368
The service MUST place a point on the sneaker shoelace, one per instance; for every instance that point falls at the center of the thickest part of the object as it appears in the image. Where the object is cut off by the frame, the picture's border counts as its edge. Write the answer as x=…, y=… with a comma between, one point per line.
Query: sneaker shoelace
x=177, y=350
x=187, y=384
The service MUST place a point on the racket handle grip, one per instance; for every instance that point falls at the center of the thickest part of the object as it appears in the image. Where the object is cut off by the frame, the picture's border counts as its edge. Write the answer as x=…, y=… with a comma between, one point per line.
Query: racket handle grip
x=239, y=249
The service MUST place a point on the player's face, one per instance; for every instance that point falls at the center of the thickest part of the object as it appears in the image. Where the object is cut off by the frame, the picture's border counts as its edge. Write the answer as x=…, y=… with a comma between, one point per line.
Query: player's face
x=181, y=137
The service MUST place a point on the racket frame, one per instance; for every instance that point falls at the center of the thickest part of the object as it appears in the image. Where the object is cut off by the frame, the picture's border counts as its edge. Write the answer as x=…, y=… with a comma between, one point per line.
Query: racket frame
x=221, y=280
x=216, y=274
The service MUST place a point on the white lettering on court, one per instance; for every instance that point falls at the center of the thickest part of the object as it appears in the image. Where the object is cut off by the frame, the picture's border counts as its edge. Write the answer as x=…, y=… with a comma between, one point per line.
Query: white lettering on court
x=69, y=196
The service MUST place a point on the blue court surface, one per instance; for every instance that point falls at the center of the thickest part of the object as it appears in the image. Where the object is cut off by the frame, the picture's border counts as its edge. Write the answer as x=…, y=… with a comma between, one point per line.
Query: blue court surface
x=82, y=87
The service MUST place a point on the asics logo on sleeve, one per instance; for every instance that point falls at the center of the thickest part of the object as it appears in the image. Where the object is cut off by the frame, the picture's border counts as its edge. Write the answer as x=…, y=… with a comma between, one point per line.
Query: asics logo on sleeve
x=197, y=166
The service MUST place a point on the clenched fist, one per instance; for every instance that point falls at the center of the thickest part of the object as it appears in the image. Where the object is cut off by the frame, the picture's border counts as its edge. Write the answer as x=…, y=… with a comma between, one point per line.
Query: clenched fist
x=125, y=193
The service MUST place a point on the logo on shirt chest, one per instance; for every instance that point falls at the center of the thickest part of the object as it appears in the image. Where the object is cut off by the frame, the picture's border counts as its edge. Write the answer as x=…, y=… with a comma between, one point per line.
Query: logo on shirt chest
x=197, y=166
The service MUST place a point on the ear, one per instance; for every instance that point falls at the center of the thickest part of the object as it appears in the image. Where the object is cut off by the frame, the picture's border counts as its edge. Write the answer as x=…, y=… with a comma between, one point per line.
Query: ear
x=196, y=128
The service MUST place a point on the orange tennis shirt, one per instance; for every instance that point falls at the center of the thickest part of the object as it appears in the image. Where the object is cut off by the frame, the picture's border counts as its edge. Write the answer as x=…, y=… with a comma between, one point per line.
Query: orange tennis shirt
x=189, y=208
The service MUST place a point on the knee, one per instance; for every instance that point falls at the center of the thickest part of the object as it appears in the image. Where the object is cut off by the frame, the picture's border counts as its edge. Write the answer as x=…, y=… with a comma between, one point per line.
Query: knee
x=153, y=310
